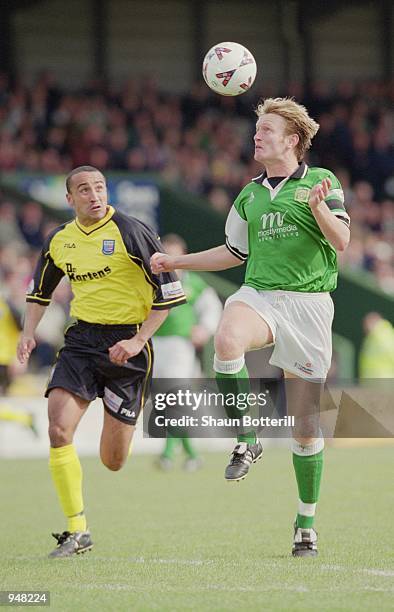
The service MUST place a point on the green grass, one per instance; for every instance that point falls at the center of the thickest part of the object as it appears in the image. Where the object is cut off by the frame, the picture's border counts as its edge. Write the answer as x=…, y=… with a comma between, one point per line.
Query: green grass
x=180, y=541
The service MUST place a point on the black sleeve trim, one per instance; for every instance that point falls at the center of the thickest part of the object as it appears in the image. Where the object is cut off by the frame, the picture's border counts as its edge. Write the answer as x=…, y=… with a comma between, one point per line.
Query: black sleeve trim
x=37, y=300
x=169, y=304
x=342, y=216
x=236, y=252
x=47, y=275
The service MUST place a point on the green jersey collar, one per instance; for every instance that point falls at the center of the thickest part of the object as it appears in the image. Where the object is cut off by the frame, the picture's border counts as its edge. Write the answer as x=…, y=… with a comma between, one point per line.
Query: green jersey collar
x=298, y=174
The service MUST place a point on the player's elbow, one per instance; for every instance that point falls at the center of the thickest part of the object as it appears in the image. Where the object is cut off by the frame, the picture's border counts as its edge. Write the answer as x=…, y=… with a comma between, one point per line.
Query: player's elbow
x=342, y=239
x=343, y=243
x=236, y=261
x=341, y=246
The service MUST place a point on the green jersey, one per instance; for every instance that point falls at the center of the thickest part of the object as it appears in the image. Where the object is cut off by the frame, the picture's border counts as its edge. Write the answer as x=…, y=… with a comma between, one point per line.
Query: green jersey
x=273, y=228
x=187, y=316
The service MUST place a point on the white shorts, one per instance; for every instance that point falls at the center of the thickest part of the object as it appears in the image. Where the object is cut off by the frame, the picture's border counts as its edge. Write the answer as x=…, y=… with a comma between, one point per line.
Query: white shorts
x=300, y=325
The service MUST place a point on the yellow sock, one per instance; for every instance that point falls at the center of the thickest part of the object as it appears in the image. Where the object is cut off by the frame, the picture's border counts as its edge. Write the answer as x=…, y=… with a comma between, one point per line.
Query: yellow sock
x=66, y=474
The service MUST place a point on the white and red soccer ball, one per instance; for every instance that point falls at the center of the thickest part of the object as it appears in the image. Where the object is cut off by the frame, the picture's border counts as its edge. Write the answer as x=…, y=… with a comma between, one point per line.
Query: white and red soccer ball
x=229, y=69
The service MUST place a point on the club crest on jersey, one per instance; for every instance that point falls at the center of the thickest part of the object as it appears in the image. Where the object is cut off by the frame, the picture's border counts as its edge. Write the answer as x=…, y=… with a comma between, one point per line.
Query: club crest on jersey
x=108, y=247
x=302, y=194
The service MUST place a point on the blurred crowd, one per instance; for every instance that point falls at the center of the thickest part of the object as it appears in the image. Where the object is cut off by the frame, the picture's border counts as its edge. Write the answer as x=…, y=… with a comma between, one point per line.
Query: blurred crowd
x=199, y=142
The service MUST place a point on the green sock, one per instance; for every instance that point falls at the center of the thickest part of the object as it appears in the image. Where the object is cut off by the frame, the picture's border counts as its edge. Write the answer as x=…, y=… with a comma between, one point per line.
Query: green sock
x=308, y=471
x=189, y=448
x=171, y=444
x=236, y=383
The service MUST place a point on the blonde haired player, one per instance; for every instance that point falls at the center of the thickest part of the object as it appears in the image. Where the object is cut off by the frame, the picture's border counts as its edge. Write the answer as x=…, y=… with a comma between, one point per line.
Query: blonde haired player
x=287, y=224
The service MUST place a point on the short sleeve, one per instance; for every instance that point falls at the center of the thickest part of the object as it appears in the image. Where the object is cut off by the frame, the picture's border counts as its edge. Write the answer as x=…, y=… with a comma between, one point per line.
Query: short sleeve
x=46, y=277
x=141, y=243
x=237, y=234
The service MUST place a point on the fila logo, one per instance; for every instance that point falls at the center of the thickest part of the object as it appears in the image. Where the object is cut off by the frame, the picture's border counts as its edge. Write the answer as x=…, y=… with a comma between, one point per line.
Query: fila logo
x=69, y=245
x=127, y=412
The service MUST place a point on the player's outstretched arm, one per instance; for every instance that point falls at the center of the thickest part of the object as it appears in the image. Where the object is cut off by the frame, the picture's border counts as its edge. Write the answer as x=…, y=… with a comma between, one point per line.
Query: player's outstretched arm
x=26, y=344
x=211, y=260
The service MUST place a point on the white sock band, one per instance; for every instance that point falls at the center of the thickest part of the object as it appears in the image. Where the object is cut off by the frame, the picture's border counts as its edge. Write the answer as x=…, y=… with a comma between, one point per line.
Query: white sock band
x=228, y=367
x=309, y=449
x=306, y=509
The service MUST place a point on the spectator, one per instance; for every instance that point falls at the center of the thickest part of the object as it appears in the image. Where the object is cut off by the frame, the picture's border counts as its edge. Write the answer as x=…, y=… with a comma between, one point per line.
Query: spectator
x=30, y=223
x=377, y=351
x=9, y=229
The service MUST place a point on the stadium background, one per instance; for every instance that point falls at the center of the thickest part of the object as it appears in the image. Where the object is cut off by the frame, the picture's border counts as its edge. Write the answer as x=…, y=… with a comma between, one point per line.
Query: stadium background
x=117, y=84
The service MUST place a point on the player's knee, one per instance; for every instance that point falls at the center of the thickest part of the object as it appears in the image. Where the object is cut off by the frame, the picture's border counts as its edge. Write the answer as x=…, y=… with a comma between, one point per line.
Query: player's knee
x=306, y=429
x=114, y=466
x=228, y=344
x=59, y=435
x=113, y=463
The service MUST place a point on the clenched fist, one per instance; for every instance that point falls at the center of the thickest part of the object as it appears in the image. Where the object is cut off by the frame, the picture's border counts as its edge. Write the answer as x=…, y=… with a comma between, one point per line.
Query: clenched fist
x=120, y=352
x=160, y=262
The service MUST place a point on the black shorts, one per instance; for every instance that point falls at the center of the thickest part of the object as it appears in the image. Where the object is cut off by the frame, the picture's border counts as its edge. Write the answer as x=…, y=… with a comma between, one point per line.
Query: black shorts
x=83, y=367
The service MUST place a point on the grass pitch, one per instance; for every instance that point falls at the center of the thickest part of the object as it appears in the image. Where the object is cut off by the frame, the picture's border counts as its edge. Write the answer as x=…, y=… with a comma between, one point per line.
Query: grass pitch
x=178, y=541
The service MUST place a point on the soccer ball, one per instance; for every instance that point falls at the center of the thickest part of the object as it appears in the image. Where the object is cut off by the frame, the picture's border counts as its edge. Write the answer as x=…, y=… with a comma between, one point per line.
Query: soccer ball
x=229, y=69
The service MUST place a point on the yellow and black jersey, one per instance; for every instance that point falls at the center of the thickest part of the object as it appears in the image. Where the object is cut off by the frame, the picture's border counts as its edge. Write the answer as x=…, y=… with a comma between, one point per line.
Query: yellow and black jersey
x=107, y=265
